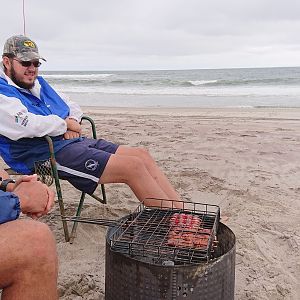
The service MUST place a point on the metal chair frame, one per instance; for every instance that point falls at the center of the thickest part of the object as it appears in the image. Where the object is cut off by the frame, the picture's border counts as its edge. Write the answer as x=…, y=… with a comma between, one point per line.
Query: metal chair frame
x=53, y=175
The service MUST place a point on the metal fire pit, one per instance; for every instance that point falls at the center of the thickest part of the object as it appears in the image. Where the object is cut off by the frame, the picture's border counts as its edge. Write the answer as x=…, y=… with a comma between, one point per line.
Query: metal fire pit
x=141, y=264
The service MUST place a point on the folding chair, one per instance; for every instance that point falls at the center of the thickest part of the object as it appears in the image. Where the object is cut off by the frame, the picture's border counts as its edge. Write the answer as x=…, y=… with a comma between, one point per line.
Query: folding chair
x=47, y=173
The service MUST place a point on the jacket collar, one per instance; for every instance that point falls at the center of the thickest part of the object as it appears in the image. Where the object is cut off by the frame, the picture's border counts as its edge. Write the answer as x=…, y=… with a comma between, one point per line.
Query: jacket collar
x=36, y=90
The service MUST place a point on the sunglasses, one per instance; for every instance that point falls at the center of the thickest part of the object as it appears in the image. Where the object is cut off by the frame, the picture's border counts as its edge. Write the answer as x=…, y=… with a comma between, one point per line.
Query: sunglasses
x=27, y=64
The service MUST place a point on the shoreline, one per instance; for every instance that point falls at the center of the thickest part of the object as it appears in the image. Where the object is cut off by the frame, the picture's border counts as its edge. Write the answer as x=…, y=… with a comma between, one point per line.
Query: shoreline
x=155, y=100
x=242, y=112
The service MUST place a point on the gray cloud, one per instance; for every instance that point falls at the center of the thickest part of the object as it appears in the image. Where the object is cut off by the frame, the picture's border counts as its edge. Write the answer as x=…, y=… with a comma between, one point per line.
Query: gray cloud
x=168, y=34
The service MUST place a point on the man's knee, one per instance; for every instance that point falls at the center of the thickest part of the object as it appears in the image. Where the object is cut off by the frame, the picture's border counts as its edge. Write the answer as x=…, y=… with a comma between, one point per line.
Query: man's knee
x=43, y=241
x=144, y=154
x=29, y=249
x=38, y=243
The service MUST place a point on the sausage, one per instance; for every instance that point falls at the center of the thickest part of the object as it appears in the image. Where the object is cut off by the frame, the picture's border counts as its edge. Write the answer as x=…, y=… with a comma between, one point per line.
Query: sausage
x=186, y=232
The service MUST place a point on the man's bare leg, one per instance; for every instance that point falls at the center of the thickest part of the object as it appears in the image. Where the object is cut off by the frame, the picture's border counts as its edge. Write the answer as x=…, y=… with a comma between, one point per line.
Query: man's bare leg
x=28, y=264
x=152, y=167
x=133, y=171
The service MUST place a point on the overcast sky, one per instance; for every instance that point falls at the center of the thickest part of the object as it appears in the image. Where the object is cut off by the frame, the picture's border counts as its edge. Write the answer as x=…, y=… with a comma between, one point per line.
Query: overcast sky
x=158, y=34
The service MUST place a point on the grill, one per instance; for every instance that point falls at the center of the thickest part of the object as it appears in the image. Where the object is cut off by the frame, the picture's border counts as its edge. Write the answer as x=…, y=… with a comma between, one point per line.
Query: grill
x=170, y=236
x=133, y=278
x=145, y=261
x=163, y=252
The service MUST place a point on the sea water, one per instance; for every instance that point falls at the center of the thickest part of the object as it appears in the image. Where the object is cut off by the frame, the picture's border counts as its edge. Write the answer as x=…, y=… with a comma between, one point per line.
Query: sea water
x=252, y=87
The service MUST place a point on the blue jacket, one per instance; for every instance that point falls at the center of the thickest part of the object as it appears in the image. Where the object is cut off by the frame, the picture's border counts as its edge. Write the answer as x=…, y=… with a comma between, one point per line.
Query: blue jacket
x=27, y=116
x=9, y=207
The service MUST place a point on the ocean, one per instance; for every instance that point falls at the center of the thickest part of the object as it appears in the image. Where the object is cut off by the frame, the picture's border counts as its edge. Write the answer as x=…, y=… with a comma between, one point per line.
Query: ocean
x=251, y=87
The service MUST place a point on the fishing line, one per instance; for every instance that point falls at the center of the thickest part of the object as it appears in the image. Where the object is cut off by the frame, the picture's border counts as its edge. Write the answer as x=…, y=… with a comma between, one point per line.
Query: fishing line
x=24, y=23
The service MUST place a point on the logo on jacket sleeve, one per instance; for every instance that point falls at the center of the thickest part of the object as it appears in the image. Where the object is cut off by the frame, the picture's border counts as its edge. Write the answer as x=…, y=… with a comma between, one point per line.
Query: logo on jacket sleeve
x=91, y=165
x=21, y=119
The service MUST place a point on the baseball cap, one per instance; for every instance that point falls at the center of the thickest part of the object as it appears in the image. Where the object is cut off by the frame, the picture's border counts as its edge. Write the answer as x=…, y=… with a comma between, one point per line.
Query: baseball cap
x=22, y=47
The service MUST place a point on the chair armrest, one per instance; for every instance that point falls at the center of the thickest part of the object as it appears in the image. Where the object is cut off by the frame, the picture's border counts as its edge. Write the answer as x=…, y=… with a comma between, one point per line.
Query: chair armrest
x=90, y=120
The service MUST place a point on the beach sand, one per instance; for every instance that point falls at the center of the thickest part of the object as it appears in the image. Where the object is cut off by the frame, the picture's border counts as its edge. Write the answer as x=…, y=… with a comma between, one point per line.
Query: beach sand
x=247, y=161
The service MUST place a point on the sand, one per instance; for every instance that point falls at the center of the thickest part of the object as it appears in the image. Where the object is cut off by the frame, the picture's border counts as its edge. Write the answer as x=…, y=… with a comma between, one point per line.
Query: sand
x=247, y=161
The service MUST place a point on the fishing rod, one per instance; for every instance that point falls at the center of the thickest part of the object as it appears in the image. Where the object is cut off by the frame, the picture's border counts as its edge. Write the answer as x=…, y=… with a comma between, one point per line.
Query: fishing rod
x=24, y=19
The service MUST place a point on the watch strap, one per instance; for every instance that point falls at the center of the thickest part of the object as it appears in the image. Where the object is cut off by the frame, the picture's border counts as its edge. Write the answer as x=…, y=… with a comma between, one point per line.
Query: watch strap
x=4, y=184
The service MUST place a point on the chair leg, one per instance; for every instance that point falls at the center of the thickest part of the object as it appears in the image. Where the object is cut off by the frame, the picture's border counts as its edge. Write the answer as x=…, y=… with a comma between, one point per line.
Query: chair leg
x=65, y=225
x=78, y=212
x=103, y=194
x=57, y=185
x=61, y=208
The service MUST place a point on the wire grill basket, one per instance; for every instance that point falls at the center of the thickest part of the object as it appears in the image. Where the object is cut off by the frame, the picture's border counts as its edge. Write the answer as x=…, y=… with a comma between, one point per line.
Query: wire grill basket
x=163, y=235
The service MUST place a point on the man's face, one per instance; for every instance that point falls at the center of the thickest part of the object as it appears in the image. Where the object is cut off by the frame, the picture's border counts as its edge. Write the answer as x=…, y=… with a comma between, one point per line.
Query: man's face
x=23, y=76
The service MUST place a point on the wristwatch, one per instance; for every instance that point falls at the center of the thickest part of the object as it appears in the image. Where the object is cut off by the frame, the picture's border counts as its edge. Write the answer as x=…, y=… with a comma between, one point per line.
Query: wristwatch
x=4, y=183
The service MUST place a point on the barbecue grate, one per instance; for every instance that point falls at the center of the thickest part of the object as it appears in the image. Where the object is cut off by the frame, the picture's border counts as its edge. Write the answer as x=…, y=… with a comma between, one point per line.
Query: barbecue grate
x=147, y=233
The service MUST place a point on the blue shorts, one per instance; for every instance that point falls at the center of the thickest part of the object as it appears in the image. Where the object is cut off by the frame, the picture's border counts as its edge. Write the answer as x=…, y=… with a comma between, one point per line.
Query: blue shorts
x=83, y=162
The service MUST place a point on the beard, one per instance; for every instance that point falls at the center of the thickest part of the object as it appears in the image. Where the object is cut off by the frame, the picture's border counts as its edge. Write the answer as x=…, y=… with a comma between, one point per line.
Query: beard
x=18, y=82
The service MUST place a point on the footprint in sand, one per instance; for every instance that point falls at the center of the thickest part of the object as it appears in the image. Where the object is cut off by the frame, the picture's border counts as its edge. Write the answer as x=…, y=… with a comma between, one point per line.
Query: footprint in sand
x=276, y=251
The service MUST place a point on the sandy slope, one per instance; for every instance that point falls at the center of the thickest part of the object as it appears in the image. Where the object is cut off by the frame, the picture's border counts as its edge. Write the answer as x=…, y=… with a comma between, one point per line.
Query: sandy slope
x=245, y=160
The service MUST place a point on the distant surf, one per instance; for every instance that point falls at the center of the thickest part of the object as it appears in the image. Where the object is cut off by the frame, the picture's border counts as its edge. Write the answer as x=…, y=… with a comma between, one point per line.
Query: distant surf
x=227, y=87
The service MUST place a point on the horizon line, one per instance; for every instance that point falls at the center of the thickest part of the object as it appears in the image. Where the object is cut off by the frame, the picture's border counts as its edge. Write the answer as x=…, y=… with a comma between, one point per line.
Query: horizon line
x=143, y=70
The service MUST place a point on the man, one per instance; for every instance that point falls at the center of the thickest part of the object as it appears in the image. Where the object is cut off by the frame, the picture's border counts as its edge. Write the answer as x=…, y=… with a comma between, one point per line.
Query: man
x=28, y=264
x=30, y=109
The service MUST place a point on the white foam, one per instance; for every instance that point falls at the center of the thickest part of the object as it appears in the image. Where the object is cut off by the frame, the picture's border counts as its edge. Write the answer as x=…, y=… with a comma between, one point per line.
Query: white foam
x=184, y=91
x=77, y=76
x=201, y=82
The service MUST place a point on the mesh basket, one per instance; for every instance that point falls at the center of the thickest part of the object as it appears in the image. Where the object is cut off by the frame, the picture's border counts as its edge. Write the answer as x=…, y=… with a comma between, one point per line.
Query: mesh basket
x=44, y=171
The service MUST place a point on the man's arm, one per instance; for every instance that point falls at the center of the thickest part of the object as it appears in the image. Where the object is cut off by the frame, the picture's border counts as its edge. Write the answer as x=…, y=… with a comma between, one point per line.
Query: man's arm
x=17, y=122
x=73, y=129
x=73, y=126
x=9, y=207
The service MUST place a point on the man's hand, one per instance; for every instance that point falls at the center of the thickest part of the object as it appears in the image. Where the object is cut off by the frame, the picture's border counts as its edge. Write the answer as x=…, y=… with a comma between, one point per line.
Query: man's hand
x=73, y=129
x=73, y=125
x=69, y=134
x=36, y=199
